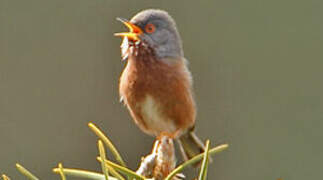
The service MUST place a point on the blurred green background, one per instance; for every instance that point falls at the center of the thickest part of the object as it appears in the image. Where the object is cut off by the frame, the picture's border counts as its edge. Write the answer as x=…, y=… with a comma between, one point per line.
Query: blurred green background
x=257, y=67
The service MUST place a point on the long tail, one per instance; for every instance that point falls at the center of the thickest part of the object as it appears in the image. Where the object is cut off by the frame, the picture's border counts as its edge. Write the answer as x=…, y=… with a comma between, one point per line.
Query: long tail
x=190, y=145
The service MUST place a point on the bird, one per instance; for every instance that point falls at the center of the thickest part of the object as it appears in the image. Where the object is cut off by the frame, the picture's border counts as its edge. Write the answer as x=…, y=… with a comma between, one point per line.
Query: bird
x=156, y=85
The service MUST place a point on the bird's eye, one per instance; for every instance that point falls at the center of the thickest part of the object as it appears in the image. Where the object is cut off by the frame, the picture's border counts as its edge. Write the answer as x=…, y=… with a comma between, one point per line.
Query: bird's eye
x=150, y=28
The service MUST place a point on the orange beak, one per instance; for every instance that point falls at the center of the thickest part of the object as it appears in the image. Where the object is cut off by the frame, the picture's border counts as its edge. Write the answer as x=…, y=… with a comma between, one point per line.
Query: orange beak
x=134, y=33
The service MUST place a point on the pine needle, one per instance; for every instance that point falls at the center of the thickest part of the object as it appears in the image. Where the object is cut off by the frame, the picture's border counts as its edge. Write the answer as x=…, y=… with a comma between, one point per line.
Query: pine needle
x=25, y=172
x=4, y=177
x=102, y=155
x=204, y=166
x=123, y=170
x=195, y=159
x=114, y=173
x=82, y=174
x=107, y=141
x=60, y=168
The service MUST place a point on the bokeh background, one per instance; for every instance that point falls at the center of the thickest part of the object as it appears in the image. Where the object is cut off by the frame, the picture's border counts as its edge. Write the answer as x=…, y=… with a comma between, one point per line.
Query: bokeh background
x=257, y=67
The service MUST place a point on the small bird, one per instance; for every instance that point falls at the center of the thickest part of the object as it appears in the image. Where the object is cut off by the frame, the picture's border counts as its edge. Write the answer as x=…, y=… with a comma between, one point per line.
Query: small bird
x=156, y=85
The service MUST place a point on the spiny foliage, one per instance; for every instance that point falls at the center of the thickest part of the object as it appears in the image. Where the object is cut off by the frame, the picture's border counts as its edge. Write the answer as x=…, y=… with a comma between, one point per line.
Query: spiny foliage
x=118, y=170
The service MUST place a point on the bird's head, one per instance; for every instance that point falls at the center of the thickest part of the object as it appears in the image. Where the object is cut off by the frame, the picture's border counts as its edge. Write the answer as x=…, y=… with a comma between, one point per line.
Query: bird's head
x=156, y=30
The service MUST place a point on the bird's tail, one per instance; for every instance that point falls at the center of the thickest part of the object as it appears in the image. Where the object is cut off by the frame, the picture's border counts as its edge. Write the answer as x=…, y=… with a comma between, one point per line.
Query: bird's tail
x=190, y=146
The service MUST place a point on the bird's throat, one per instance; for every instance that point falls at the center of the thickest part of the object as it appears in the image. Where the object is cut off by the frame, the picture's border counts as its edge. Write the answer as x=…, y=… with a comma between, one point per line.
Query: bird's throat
x=137, y=50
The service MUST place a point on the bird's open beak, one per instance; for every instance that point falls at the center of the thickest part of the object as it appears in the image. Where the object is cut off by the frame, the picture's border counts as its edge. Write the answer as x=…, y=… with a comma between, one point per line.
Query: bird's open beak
x=134, y=33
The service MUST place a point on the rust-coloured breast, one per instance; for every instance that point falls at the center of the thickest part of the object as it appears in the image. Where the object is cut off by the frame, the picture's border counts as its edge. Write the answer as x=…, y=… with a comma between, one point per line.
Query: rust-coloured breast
x=169, y=84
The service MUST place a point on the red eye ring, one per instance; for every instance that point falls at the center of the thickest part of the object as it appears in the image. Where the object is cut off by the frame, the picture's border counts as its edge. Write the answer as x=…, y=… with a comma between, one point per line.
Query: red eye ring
x=150, y=28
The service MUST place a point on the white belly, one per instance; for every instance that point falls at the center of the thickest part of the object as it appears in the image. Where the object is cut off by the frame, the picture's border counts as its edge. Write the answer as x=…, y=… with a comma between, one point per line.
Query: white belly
x=154, y=119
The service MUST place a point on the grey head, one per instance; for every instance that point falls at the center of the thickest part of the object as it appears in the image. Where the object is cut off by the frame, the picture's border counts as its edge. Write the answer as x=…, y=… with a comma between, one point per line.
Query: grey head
x=159, y=33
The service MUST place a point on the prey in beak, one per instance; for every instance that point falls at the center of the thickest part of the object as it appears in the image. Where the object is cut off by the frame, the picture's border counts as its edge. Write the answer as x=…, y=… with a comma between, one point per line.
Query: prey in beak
x=134, y=31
